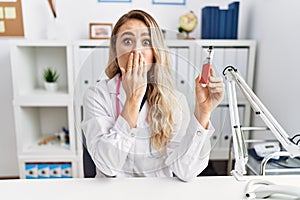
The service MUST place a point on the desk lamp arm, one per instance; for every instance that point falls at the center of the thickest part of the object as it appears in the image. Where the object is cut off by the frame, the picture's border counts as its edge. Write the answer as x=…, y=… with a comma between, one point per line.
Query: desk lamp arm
x=233, y=77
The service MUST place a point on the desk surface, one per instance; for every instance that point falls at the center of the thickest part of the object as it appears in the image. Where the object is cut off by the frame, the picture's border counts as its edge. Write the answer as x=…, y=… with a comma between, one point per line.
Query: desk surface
x=210, y=187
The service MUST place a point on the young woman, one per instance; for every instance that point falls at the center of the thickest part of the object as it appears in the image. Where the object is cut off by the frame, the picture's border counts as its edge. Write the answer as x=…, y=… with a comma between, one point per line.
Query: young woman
x=135, y=123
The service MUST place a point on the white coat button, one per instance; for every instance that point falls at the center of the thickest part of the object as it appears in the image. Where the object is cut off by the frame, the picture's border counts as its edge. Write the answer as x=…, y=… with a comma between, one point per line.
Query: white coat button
x=199, y=133
x=132, y=134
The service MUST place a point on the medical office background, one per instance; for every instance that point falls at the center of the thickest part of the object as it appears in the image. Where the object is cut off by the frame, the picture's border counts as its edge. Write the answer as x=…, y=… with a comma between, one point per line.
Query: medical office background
x=274, y=24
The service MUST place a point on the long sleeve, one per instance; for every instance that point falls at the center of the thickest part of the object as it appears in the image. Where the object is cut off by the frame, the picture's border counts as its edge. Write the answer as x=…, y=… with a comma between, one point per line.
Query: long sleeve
x=189, y=150
x=108, y=140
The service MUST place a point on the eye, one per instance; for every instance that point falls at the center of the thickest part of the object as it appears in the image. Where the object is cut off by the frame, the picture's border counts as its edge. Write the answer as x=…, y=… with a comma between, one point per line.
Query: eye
x=127, y=41
x=146, y=42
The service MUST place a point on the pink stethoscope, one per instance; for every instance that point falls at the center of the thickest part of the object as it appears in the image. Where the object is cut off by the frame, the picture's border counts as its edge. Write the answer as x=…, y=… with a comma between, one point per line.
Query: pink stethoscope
x=118, y=110
x=117, y=99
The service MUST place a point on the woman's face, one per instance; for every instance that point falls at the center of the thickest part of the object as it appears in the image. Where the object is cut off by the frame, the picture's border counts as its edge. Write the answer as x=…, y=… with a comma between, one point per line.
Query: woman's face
x=133, y=36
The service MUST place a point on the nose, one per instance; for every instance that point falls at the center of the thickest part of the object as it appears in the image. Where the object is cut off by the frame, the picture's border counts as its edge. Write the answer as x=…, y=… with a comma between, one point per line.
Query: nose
x=138, y=46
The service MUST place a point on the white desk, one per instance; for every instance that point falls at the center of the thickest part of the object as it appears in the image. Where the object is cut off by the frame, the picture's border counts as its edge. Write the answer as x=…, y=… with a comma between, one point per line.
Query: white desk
x=218, y=187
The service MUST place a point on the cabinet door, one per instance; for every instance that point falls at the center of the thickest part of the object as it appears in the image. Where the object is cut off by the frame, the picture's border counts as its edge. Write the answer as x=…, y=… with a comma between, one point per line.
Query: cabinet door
x=220, y=140
x=218, y=61
x=225, y=56
x=227, y=127
x=183, y=69
x=229, y=56
x=217, y=122
x=173, y=62
x=92, y=64
x=84, y=76
x=99, y=59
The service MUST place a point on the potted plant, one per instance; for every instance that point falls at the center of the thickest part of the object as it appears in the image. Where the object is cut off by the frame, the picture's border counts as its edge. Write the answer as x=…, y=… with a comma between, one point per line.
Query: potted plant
x=50, y=79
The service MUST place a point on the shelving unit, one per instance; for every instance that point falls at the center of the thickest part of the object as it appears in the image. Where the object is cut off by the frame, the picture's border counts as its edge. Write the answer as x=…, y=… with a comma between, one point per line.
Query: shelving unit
x=90, y=60
x=39, y=113
x=187, y=60
x=241, y=55
x=187, y=57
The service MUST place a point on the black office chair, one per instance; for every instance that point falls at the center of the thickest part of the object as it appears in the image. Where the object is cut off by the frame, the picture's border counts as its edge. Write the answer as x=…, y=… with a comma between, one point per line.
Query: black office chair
x=89, y=167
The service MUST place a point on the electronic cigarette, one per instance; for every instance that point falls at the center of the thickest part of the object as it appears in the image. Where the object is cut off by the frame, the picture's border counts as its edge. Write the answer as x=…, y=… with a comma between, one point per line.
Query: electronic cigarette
x=205, y=74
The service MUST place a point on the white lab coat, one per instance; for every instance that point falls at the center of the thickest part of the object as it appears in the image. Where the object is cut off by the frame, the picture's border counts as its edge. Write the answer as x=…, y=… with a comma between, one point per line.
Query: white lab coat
x=118, y=150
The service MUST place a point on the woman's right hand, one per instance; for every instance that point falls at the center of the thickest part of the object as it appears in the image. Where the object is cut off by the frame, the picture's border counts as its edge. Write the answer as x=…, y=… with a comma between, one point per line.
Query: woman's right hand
x=134, y=82
x=134, y=78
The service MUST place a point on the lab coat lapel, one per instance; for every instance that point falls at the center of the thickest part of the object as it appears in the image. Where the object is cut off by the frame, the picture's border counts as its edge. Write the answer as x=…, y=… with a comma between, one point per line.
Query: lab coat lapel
x=122, y=95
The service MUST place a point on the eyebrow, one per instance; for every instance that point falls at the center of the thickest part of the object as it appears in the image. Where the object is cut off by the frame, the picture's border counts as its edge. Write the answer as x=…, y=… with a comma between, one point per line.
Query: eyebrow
x=127, y=33
x=145, y=34
x=132, y=34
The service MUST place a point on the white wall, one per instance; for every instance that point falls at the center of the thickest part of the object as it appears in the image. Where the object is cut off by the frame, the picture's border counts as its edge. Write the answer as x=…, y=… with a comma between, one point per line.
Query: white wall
x=273, y=24
x=76, y=15
x=8, y=152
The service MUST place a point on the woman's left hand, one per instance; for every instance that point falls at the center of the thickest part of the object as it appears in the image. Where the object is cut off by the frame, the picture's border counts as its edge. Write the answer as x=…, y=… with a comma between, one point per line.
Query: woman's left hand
x=208, y=97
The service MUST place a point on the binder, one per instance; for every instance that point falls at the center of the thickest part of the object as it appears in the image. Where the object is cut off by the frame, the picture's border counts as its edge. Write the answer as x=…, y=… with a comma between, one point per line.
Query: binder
x=66, y=170
x=31, y=171
x=55, y=170
x=222, y=23
x=234, y=7
x=229, y=21
x=43, y=170
x=214, y=22
x=206, y=21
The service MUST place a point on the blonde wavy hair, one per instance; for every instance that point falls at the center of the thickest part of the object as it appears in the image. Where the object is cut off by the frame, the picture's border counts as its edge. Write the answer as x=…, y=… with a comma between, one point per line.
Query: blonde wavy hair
x=160, y=92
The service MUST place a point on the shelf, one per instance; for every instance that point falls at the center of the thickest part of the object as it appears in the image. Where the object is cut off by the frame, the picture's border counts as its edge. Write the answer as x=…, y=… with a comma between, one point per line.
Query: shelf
x=39, y=113
x=36, y=122
x=41, y=97
x=39, y=43
x=48, y=158
x=47, y=149
x=227, y=43
x=29, y=62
